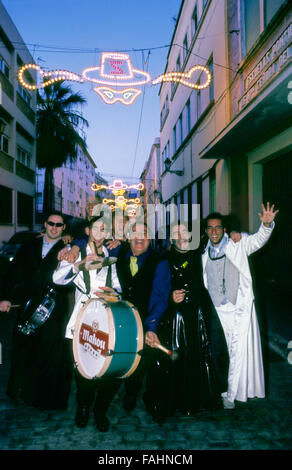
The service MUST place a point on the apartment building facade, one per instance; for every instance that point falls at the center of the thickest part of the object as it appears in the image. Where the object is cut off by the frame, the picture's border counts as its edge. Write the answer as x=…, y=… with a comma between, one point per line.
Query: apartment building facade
x=151, y=174
x=233, y=139
x=191, y=118
x=17, y=134
x=257, y=142
x=73, y=186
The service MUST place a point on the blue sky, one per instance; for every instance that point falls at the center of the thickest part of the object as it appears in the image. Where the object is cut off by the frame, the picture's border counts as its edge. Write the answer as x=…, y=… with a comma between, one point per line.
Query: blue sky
x=72, y=34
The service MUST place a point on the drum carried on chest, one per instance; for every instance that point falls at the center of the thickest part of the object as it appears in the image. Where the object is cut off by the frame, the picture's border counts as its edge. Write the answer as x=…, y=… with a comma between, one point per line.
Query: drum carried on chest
x=108, y=339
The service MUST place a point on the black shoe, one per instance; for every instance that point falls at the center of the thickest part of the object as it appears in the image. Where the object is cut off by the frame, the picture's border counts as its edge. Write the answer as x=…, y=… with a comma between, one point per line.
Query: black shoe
x=129, y=402
x=82, y=416
x=158, y=416
x=101, y=421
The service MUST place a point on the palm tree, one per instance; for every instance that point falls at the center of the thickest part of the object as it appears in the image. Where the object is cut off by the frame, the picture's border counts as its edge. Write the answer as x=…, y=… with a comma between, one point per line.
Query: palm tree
x=58, y=126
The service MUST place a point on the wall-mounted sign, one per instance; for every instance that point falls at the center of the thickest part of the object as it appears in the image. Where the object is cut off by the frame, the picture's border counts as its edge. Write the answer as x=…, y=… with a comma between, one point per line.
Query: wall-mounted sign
x=116, y=78
x=274, y=60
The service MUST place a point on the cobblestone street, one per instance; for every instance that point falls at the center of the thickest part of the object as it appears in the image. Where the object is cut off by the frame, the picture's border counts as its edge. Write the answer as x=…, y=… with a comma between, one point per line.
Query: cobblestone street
x=259, y=424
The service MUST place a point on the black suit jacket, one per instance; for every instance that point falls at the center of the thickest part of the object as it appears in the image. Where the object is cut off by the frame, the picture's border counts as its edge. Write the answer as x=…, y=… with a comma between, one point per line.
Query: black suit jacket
x=29, y=273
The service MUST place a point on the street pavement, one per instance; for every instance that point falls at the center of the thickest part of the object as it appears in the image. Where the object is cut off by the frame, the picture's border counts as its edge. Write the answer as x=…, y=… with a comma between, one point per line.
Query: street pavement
x=259, y=424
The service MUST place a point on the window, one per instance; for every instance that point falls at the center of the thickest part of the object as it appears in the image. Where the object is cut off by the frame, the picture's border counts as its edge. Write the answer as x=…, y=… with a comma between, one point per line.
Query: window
x=4, y=143
x=24, y=209
x=270, y=8
x=251, y=22
x=178, y=64
x=39, y=202
x=165, y=155
x=198, y=102
x=24, y=94
x=174, y=139
x=72, y=186
x=210, y=66
x=188, y=106
x=164, y=112
x=180, y=131
x=194, y=21
x=178, y=203
x=24, y=157
x=6, y=205
x=257, y=14
x=4, y=68
x=185, y=48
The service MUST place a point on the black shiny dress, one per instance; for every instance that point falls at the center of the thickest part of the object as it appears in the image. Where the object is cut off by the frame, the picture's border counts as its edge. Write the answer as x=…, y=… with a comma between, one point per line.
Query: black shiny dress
x=196, y=379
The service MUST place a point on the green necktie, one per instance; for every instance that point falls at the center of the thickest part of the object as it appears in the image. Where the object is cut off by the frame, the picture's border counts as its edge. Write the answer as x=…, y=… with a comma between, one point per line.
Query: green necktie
x=133, y=265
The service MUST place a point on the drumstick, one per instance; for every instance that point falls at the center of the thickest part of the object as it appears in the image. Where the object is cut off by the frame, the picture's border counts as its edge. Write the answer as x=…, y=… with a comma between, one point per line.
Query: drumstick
x=172, y=354
x=111, y=352
x=12, y=306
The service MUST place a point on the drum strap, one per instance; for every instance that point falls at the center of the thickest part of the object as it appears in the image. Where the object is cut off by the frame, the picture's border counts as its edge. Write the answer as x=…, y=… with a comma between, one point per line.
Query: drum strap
x=108, y=282
x=86, y=275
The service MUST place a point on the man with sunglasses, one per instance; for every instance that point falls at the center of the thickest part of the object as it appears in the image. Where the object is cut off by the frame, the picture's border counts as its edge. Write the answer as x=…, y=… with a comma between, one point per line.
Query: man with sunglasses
x=41, y=362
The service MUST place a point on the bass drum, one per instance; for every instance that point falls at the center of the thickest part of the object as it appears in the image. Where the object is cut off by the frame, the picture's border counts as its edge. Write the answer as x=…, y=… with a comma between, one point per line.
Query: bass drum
x=108, y=339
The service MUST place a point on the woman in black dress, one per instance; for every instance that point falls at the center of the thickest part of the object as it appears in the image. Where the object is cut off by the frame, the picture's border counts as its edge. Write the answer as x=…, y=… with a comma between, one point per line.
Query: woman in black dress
x=196, y=379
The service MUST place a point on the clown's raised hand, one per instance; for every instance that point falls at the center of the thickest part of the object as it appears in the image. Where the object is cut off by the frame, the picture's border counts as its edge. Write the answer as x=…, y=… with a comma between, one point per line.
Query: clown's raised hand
x=268, y=215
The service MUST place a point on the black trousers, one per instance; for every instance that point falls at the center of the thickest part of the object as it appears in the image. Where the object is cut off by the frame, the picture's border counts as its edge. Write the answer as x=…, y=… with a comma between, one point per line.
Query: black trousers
x=133, y=384
x=99, y=392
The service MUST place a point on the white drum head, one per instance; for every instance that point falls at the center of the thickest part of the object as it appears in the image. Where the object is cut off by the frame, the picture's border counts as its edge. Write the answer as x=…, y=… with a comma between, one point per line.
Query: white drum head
x=94, y=335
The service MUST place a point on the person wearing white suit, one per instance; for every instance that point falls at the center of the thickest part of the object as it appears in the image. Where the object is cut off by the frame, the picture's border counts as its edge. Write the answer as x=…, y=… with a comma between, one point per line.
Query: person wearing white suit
x=228, y=279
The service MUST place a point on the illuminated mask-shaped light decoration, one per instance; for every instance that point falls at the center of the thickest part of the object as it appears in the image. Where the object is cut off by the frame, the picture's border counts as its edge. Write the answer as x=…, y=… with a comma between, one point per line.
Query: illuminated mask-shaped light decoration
x=111, y=96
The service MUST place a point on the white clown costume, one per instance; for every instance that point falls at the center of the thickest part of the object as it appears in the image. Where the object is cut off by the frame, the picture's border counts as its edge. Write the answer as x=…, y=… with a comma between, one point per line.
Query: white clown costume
x=239, y=321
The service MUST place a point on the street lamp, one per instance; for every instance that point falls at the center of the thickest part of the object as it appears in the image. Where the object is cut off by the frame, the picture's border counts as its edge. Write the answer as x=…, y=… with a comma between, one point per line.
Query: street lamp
x=168, y=164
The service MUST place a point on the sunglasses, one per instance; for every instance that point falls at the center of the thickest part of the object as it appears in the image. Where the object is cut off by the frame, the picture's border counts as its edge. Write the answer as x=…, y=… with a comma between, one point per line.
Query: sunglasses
x=53, y=224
